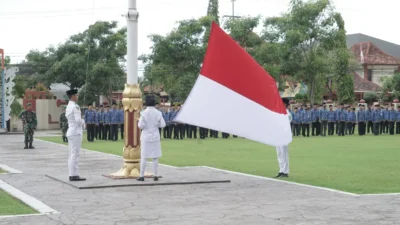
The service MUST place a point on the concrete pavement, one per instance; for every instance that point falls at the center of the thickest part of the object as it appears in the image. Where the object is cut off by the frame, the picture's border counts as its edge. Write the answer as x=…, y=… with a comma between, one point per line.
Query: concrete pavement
x=245, y=200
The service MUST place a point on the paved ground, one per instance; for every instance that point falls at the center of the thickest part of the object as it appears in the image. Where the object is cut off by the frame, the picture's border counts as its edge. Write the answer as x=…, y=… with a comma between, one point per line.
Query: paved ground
x=245, y=200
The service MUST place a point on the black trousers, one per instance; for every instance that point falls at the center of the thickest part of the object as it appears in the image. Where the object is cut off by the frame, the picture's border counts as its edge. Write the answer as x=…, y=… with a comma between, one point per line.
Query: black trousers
x=397, y=127
x=370, y=127
x=122, y=130
x=225, y=135
x=106, y=134
x=337, y=127
x=324, y=126
x=306, y=129
x=114, y=132
x=203, y=132
x=192, y=132
x=178, y=131
x=382, y=127
x=331, y=128
x=186, y=130
x=90, y=131
x=342, y=128
x=296, y=129
x=361, y=128
x=391, y=128
x=166, y=132
x=376, y=128
x=315, y=128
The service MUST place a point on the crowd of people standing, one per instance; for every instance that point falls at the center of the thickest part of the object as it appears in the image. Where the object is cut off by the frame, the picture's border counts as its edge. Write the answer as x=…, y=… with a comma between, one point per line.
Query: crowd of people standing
x=323, y=119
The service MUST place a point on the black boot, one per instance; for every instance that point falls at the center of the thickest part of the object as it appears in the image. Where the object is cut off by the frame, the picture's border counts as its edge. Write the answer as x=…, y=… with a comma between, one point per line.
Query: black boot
x=26, y=146
x=140, y=179
x=30, y=146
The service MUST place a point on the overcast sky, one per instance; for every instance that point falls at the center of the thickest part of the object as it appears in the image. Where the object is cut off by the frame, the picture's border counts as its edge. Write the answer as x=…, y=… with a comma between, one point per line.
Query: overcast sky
x=36, y=24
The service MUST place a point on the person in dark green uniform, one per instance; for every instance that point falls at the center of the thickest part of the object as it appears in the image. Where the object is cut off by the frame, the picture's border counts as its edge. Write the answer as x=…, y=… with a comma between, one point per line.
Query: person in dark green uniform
x=29, y=123
x=64, y=125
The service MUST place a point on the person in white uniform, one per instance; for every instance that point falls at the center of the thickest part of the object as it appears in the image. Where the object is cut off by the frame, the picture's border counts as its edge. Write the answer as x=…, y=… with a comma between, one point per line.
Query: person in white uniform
x=74, y=134
x=283, y=152
x=150, y=121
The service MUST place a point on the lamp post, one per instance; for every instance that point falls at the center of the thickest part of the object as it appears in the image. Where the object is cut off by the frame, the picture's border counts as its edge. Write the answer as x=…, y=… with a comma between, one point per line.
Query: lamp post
x=131, y=99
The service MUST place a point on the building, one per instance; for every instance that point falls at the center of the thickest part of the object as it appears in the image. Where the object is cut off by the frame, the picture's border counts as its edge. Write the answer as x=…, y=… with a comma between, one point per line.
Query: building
x=377, y=58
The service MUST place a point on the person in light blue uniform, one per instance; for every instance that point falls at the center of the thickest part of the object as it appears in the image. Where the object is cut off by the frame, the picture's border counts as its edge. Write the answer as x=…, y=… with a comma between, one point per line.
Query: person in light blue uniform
x=384, y=120
x=174, y=127
x=376, y=120
x=349, y=121
x=361, y=119
x=338, y=112
x=391, y=119
x=114, y=121
x=342, y=121
x=121, y=120
x=368, y=113
x=331, y=120
x=315, y=120
x=323, y=115
x=398, y=120
x=166, y=116
x=296, y=120
x=99, y=123
x=90, y=116
x=306, y=121
x=107, y=123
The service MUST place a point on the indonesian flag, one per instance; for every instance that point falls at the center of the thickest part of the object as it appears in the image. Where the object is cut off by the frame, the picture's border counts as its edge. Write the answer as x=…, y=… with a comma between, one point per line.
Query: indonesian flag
x=235, y=95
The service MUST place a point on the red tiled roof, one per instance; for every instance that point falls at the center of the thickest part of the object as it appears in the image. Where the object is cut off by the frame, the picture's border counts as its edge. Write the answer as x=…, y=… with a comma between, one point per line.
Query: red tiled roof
x=362, y=85
x=373, y=55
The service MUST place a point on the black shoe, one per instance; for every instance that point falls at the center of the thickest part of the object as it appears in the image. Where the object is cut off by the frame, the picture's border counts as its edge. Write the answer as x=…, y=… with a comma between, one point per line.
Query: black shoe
x=279, y=175
x=76, y=178
x=26, y=146
x=140, y=179
x=284, y=175
x=31, y=147
x=155, y=178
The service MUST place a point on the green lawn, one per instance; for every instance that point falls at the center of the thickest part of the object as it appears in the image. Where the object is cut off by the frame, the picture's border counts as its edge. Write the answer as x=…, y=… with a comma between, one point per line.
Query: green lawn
x=355, y=164
x=12, y=206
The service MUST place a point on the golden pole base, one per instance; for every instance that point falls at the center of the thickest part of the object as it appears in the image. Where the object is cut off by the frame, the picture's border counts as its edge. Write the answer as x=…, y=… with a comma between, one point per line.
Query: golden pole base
x=132, y=102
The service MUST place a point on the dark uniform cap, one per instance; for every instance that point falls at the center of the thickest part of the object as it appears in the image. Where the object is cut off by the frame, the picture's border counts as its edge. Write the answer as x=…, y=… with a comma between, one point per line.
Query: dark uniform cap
x=72, y=92
x=29, y=104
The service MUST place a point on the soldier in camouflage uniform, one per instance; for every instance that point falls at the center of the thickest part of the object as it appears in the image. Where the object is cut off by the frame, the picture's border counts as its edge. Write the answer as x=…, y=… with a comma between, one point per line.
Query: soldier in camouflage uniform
x=29, y=122
x=64, y=125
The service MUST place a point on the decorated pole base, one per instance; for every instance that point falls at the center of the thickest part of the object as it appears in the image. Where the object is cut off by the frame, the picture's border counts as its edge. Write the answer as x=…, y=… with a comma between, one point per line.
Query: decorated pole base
x=132, y=102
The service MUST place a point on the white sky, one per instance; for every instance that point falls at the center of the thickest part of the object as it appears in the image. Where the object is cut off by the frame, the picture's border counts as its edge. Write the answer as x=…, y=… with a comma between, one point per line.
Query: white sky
x=36, y=24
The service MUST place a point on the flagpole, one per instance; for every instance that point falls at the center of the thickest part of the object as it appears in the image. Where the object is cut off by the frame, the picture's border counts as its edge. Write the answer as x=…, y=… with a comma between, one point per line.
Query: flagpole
x=132, y=99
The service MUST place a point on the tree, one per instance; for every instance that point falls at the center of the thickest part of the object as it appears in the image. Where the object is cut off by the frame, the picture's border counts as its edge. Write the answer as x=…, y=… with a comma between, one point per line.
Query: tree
x=7, y=61
x=308, y=32
x=176, y=58
x=90, y=60
x=370, y=97
x=391, y=85
x=213, y=13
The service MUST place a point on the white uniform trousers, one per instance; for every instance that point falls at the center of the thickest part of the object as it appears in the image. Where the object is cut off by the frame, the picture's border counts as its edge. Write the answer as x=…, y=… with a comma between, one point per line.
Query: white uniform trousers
x=74, y=144
x=283, y=158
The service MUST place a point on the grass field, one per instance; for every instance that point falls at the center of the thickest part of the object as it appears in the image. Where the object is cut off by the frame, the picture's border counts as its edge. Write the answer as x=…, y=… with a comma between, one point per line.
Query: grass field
x=362, y=165
x=12, y=206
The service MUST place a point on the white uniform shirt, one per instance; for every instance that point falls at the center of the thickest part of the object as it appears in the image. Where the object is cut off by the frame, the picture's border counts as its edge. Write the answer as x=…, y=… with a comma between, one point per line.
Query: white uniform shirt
x=150, y=121
x=75, y=121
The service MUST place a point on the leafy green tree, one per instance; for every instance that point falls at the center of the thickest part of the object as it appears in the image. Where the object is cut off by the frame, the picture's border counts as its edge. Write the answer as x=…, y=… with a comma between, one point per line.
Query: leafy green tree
x=90, y=60
x=308, y=32
x=370, y=97
x=176, y=58
x=391, y=84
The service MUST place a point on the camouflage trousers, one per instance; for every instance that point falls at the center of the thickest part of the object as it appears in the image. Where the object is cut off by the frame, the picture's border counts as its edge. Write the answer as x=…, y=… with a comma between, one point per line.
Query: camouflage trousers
x=28, y=131
x=64, y=131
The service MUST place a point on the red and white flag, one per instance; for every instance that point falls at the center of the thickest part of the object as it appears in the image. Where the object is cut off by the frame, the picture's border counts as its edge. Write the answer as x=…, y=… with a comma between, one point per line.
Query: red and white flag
x=234, y=94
